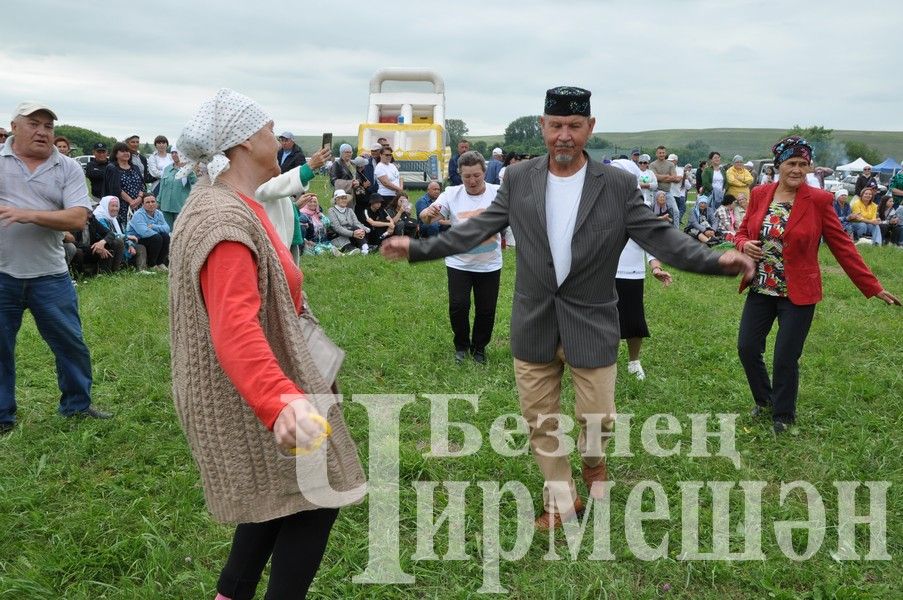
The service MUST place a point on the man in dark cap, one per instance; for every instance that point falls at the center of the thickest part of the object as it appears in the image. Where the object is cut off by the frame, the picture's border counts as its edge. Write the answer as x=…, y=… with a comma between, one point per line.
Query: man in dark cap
x=95, y=168
x=571, y=217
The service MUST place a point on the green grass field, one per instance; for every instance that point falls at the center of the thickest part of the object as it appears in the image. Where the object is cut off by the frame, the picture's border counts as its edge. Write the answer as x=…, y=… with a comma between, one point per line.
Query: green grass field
x=114, y=510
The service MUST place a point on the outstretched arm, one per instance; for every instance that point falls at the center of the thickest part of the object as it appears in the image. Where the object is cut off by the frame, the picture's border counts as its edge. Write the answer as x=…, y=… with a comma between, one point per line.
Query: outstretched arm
x=846, y=254
x=676, y=248
x=459, y=238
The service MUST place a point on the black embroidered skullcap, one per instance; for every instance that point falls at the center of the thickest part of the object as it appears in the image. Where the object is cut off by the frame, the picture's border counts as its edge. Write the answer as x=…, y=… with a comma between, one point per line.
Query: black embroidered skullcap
x=564, y=101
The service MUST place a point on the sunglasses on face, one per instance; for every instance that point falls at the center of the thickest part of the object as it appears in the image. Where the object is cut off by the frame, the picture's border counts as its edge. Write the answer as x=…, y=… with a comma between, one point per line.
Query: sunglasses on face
x=644, y=162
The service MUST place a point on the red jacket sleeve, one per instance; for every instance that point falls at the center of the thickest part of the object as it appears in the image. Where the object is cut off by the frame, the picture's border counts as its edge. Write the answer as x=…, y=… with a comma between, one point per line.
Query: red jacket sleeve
x=229, y=284
x=845, y=252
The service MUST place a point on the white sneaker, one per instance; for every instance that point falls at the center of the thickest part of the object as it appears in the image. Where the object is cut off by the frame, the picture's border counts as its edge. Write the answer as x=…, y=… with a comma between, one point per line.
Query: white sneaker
x=353, y=251
x=365, y=249
x=863, y=241
x=636, y=368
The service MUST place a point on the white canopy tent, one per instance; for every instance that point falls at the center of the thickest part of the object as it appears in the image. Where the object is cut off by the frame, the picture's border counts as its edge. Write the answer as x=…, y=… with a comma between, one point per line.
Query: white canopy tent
x=856, y=166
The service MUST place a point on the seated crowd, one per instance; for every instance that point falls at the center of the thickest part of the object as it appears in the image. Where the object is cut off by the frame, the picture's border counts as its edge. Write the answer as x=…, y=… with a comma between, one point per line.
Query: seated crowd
x=139, y=198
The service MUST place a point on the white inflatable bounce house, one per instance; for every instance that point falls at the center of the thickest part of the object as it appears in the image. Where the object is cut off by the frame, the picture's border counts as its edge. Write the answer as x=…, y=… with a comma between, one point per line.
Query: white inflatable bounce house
x=412, y=121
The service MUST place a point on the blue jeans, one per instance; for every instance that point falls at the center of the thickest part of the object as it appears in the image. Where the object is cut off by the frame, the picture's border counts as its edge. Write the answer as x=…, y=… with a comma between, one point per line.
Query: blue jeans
x=862, y=229
x=54, y=306
x=681, y=207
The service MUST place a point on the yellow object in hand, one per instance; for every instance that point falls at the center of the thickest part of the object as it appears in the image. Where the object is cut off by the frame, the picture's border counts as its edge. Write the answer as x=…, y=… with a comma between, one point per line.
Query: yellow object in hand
x=318, y=441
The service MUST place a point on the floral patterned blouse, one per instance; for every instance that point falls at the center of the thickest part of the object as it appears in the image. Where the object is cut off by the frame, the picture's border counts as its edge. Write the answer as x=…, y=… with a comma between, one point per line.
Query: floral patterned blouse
x=769, y=277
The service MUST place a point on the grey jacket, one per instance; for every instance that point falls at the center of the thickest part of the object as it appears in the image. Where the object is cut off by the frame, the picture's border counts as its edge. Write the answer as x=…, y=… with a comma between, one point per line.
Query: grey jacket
x=343, y=225
x=581, y=314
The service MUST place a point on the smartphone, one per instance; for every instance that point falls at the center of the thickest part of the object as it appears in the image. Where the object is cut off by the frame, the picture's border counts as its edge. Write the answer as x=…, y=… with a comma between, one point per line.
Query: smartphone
x=327, y=141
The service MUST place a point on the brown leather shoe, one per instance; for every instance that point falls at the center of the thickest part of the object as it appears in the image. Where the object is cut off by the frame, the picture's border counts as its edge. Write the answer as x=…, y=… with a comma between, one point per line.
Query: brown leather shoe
x=592, y=474
x=547, y=520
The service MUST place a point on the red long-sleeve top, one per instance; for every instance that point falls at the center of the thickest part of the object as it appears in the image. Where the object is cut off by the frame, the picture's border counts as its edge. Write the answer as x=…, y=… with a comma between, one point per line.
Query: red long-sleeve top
x=229, y=284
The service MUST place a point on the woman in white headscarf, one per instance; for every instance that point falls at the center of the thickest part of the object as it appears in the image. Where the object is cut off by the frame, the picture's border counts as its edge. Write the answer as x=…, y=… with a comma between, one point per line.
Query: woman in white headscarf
x=133, y=253
x=99, y=245
x=244, y=377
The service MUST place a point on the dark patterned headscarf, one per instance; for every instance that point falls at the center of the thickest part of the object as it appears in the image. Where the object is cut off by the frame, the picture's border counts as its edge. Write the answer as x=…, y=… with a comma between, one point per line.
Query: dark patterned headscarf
x=790, y=147
x=564, y=101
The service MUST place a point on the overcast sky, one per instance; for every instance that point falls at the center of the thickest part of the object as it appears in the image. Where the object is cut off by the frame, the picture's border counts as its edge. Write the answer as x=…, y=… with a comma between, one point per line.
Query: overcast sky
x=143, y=67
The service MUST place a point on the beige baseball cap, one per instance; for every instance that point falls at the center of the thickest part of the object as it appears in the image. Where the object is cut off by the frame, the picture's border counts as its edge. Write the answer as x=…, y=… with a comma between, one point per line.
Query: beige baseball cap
x=29, y=108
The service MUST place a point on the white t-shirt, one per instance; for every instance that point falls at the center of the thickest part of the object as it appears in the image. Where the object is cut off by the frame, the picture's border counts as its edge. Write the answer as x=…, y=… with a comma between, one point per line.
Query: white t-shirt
x=562, y=199
x=390, y=171
x=156, y=164
x=812, y=180
x=625, y=164
x=632, y=262
x=457, y=205
x=677, y=188
x=649, y=177
x=718, y=181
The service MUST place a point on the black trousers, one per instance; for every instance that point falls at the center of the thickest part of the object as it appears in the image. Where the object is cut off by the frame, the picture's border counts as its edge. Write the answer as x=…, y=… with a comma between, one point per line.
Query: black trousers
x=157, y=249
x=759, y=314
x=354, y=243
x=485, y=287
x=296, y=543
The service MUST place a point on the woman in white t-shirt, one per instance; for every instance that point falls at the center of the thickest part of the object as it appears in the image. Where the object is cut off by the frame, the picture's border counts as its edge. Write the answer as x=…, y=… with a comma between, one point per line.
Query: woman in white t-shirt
x=159, y=160
x=631, y=315
x=390, y=184
x=478, y=270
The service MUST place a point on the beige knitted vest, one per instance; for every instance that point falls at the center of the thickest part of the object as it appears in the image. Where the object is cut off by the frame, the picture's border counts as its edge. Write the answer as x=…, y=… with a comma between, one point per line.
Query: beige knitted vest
x=245, y=477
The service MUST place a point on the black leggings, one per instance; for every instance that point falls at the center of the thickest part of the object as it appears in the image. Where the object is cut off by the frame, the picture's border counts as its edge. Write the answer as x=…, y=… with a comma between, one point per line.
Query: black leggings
x=296, y=543
x=794, y=320
x=354, y=243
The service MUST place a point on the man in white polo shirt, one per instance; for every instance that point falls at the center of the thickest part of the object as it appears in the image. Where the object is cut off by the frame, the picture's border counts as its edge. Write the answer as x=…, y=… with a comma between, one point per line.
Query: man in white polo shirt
x=480, y=268
x=42, y=195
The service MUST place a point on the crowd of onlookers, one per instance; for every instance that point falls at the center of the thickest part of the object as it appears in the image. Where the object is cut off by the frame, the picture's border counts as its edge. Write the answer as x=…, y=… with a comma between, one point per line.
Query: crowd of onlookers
x=723, y=195
x=138, y=199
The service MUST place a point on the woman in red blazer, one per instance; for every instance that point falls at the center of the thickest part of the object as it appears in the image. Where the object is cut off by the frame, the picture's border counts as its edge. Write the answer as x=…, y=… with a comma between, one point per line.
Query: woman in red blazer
x=782, y=229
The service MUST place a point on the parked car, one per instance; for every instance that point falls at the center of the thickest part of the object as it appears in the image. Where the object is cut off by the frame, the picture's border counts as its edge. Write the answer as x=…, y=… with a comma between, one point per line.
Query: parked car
x=833, y=183
x=83, y=160
x=759, y=165
x=849, y=184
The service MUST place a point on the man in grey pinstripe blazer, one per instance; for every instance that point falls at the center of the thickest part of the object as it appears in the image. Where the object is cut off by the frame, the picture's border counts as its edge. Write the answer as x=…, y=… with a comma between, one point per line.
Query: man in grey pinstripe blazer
x=571, y=217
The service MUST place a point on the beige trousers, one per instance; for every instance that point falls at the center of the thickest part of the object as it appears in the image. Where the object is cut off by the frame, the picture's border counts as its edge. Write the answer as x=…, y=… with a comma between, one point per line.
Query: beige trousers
x=539, y=389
